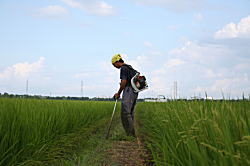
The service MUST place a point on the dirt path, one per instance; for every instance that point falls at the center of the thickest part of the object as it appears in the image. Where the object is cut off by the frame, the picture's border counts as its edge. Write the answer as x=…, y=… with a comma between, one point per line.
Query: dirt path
x=117, y=150
x=125, y=151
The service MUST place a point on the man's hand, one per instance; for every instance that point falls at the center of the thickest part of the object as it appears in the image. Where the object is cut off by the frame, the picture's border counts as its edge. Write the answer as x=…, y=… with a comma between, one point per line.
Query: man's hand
x=116, y=96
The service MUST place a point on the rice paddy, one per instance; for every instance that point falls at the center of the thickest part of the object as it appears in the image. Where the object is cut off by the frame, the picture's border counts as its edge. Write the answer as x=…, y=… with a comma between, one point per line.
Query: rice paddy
x=31, y=128
x=196, y=132
x=181, y=133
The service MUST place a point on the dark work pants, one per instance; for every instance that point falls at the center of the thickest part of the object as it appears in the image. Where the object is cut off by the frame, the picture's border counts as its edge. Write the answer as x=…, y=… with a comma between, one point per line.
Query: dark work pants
x=127, y=113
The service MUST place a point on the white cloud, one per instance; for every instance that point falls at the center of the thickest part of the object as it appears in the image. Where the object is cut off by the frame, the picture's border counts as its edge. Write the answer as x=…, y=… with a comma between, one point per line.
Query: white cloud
x=158, y=85
x=140, y=63
x=174, y=5
x=92, y=7
x=22, y=70
x=209, y=73
x=233, y=86
x=198, y=53
x=82, y=75
x=155, y=53
x=224, y=84
x=52, y=11
x=242, y=67
x=174, y=62
x=198, y=16
x=189, y=51
x=161, y=71
x=148, y=44
x=232, y=30
x=200, y=67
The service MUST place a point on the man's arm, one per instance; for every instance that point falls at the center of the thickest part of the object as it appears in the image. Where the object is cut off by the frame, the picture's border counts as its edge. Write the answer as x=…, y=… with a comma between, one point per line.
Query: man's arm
x=122, y=87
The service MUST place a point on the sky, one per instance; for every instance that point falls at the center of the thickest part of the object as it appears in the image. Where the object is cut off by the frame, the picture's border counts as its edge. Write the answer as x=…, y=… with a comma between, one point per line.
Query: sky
x=204, y=45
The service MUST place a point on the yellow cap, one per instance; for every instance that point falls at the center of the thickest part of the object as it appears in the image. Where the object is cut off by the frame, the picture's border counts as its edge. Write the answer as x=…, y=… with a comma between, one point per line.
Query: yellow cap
x=116, y=58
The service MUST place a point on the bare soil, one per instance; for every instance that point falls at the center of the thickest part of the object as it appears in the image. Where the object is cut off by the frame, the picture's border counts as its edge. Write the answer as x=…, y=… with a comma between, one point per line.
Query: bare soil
x=127, y=153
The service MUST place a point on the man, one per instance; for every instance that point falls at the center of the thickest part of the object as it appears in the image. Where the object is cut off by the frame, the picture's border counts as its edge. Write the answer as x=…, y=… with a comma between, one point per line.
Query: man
x=128, y=97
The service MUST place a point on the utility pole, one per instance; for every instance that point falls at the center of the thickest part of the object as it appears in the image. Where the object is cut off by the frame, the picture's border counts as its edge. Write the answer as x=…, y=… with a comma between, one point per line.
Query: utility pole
x=82, y=89
x=27, y=87
x=175, y=90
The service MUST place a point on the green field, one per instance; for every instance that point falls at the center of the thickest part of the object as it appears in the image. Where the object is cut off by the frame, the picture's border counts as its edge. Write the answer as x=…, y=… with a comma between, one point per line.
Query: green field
x=50, y=132
x=196, y=133
x=40, y=131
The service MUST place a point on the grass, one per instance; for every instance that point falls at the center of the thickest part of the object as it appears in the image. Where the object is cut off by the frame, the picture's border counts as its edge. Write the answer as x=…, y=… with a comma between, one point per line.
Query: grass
x=50, y=132
x=96, y=152
x=37, y=132
x=196, y=133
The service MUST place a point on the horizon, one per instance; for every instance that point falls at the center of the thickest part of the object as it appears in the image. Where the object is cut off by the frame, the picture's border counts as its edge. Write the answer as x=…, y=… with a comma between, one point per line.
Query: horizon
x=55, y=44
x=197, y=97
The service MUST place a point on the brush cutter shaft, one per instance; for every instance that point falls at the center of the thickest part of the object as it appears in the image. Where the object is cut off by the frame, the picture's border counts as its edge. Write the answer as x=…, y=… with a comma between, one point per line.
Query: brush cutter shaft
x=111, y=119
x=113, y=111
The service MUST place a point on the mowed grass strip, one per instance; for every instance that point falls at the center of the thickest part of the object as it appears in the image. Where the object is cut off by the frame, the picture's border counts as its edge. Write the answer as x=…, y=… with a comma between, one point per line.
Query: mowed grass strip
x=192, y=133
x=27, y=126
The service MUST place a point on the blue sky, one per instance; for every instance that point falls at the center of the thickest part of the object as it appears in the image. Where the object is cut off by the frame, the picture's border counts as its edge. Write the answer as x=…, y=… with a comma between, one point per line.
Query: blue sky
x=203, y=45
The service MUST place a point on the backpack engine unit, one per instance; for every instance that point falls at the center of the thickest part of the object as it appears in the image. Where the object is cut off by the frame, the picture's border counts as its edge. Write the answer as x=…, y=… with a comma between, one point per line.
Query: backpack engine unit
x=139, y=83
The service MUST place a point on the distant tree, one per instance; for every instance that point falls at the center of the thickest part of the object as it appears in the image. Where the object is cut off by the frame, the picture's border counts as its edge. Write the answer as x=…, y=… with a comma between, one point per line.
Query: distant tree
x=6, y=94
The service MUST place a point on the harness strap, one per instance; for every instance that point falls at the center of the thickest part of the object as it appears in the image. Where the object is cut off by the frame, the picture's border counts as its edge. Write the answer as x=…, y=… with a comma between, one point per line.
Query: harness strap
x=130, y=69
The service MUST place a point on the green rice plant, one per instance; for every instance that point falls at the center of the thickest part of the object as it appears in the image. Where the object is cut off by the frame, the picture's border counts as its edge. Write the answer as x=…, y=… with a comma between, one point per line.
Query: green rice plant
x=189, y=133
x=28, y=127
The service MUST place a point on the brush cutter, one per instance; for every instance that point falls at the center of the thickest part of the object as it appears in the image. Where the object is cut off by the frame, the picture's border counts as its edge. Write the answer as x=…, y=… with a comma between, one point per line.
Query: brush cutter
x=111, y=120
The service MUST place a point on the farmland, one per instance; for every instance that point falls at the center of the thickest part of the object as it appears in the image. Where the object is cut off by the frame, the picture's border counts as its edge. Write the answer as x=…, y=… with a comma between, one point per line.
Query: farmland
x=40, y=131
x=51, y=132
x=196, y=133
